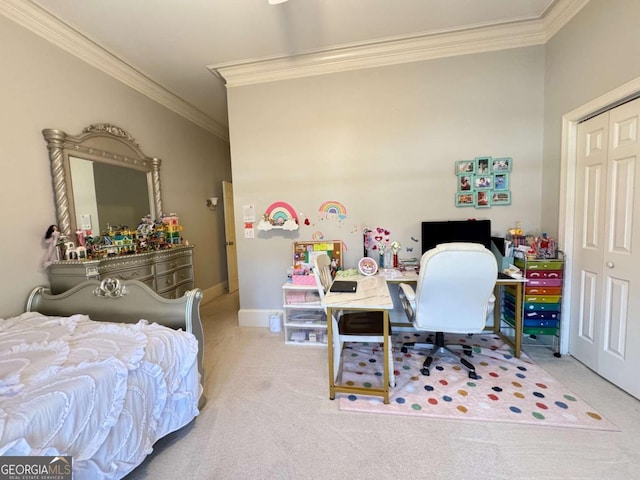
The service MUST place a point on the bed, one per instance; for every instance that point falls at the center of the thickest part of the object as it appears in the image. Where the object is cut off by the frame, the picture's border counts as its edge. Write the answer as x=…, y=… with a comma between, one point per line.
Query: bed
x=94, y=373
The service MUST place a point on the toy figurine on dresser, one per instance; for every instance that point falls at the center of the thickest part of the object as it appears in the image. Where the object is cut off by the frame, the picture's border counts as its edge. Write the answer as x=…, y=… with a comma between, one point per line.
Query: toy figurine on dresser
x=51, y=238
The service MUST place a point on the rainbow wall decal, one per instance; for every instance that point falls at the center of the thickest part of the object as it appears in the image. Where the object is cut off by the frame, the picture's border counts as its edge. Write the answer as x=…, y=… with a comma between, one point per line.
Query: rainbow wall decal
x=279, y=215
x=332, y=209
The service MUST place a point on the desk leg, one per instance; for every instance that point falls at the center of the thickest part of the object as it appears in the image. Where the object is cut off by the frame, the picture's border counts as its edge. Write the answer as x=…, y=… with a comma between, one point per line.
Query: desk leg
x=516, y=342
x=332, y=381
x=518, y=332
x=497, y=308
x=386, y=352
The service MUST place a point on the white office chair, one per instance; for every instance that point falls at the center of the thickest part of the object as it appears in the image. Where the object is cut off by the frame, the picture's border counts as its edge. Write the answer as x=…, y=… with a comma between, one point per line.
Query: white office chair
x=454, y=294
x=361, y=326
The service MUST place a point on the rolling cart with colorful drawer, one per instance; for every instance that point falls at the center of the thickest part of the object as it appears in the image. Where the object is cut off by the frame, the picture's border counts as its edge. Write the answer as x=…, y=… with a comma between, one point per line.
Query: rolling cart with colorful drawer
x=541, y=309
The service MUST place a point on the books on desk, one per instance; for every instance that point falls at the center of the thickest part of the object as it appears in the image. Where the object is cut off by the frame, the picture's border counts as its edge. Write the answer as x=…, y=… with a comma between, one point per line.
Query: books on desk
x=409, y=262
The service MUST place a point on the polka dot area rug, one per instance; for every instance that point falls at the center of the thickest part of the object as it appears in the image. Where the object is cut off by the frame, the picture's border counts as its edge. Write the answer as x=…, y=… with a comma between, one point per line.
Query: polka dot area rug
x=507, y=389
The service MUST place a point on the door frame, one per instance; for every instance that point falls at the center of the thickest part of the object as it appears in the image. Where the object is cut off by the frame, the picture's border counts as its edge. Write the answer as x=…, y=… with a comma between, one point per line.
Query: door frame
x=229, y=229
x=568, y=162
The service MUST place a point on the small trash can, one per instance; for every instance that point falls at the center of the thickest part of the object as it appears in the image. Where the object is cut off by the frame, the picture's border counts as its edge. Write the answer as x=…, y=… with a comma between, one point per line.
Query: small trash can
x=275, y=322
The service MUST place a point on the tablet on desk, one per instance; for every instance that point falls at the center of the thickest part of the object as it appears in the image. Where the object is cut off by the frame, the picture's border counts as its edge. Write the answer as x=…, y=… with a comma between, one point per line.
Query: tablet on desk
x=344, y=286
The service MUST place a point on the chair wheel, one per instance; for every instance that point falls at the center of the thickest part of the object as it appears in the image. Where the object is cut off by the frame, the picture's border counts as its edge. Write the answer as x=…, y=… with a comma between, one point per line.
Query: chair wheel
x=403, y=349
x=425, y=372
x=468, y=352
x=473, y=375
x=557, y=354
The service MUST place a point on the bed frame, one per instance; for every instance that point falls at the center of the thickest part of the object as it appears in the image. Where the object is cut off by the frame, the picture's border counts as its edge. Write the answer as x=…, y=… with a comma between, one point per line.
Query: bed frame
x=125, y=301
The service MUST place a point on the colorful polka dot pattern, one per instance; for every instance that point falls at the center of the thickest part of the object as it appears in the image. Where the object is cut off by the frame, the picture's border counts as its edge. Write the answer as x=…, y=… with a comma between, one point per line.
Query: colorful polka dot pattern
x=507, y=389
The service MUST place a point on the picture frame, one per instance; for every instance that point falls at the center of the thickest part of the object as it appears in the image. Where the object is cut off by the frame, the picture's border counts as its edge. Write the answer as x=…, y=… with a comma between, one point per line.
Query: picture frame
x=482, y=182
x=501, y=181
x=465, y=199
x=482, y=199
x=501, y=197
x=465, y=183
x=465, y=166
x=502, y=164
x=483, y=165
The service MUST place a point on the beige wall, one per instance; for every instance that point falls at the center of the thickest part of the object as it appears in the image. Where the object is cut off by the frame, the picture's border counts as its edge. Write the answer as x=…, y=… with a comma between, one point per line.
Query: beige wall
x=383, y=142
x=596, y=52
x=44, y=87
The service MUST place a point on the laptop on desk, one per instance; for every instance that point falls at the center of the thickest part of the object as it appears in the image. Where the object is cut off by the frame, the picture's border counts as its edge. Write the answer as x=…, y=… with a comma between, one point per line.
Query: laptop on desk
x=344, y=286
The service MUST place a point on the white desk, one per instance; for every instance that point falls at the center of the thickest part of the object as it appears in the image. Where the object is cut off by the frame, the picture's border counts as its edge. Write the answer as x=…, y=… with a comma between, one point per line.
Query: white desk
x=372, y=294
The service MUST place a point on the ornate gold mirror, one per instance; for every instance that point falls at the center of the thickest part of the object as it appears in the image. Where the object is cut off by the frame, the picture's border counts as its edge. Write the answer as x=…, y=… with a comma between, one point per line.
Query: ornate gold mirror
x=101, y=178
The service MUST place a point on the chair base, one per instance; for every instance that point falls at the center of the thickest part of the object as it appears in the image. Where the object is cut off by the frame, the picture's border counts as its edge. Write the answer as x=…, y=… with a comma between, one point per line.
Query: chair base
x=439, y=347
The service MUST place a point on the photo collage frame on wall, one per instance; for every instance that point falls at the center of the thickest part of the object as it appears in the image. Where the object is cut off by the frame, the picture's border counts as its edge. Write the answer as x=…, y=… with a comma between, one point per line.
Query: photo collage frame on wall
x=483, y=182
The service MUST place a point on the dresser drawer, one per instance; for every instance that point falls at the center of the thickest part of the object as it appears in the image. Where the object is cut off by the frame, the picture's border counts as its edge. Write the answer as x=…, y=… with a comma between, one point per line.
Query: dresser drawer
x=542, y=323
x=544, y=282
x=179, y=291
x=532, y=315
x=542, y=307
x=540, y=330
x=170, y=280
x=141, y=273
x=539, y=264
x=183, y=274
x=542, y=298
x=172, y=264
x=542, y=290
x=182, y=289
x=549, y=274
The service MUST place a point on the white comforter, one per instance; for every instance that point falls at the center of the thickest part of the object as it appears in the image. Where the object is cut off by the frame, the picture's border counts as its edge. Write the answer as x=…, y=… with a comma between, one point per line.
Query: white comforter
x=102, y=393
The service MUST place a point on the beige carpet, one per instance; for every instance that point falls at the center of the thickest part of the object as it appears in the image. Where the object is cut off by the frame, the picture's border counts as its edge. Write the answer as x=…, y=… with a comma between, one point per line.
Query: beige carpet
x=269, y=417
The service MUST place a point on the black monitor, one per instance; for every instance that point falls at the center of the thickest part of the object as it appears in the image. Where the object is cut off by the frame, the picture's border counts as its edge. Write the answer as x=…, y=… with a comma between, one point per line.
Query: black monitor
x=476, y=231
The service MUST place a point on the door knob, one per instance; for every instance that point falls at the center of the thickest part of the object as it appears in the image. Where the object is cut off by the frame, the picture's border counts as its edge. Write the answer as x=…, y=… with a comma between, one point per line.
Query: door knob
x=610, y=264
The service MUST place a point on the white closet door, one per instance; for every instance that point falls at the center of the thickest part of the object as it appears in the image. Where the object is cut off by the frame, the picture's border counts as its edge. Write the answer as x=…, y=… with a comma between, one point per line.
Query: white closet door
x=586, y=287
x=620, y=356
x=606, y=270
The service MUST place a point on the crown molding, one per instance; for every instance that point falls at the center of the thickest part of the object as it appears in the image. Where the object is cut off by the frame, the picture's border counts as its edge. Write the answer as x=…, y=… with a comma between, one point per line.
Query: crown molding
x=42, y=23
x=380, y=54
x=392, y=51
x=560, y=15
x=478, y=39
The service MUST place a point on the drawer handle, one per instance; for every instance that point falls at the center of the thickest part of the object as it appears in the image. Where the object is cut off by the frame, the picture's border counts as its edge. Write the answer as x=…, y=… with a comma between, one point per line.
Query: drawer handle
x=609, y=264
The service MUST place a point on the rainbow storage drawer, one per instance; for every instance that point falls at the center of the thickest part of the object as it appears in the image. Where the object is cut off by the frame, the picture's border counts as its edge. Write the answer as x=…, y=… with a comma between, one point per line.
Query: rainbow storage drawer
x=542, y=295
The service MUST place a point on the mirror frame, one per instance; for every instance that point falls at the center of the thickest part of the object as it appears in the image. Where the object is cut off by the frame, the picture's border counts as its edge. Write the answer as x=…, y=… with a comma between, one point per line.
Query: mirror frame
x=105, y=143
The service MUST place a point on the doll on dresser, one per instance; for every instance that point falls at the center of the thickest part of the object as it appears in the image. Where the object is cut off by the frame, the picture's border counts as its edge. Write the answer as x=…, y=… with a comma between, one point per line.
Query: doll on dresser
x=51, y=238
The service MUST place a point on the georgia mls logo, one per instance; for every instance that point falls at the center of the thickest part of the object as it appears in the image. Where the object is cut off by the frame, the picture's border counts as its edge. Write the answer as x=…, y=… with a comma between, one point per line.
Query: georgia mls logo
x=35, y=468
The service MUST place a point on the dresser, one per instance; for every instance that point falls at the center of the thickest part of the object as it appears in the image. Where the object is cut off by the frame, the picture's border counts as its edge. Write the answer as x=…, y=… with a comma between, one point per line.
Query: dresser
x=169, y=272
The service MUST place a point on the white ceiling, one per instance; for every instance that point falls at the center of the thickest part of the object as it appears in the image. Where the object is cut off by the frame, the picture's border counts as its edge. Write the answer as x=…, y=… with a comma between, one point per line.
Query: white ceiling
x=179, y=51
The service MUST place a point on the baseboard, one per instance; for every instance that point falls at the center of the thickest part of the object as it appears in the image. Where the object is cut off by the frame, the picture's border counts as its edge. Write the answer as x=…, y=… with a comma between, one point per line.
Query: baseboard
x=213, y=292
x=254, y=318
